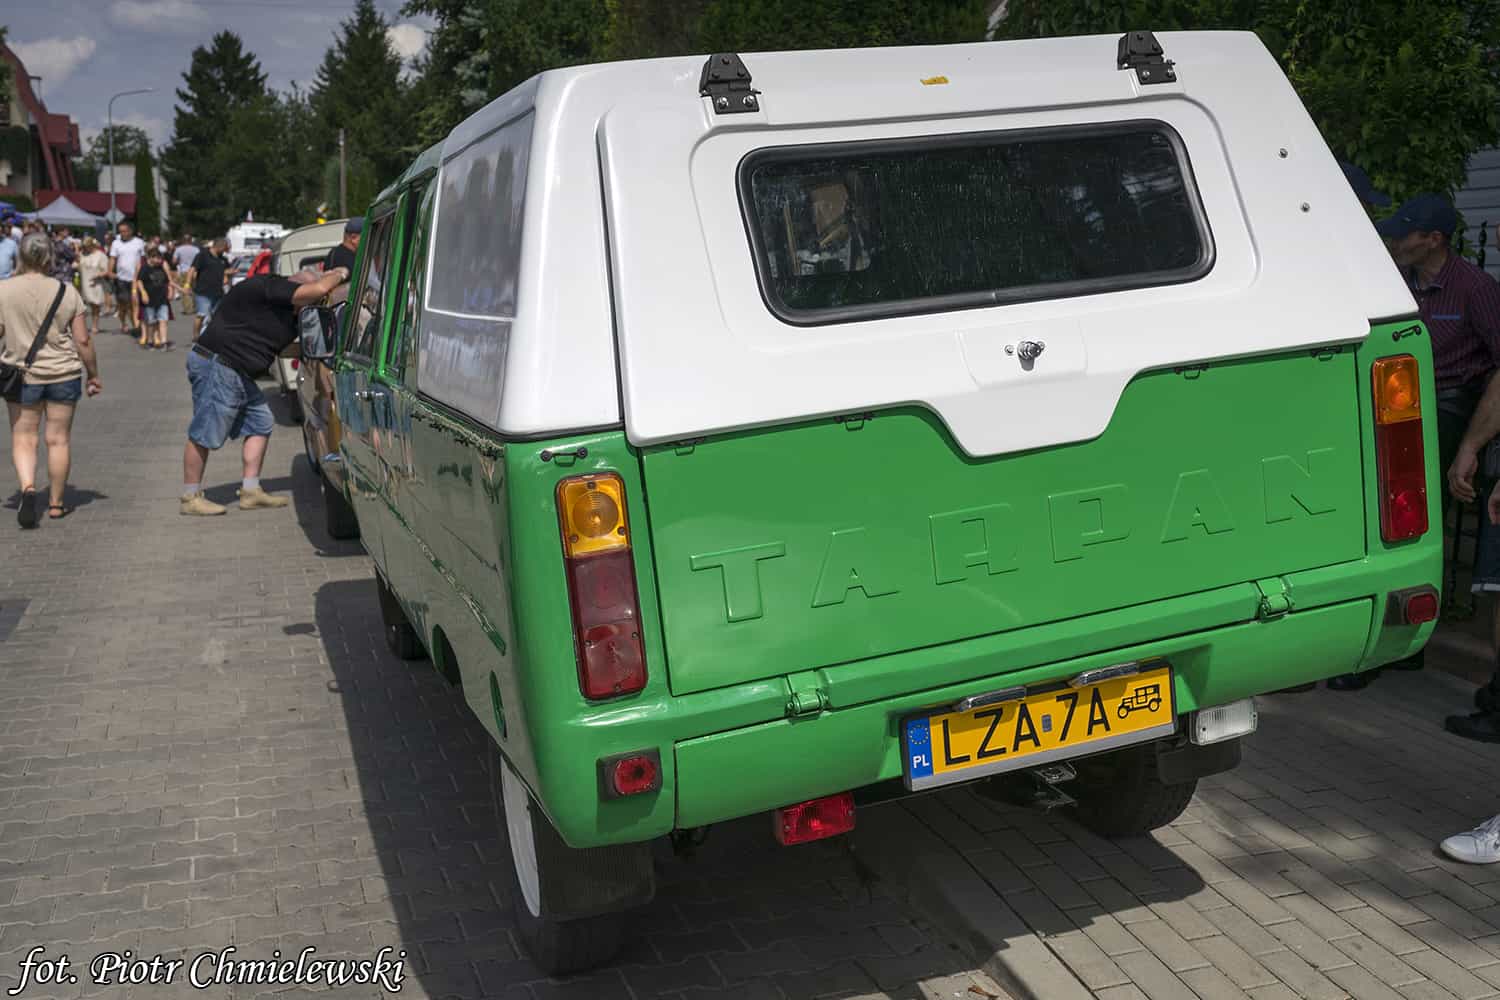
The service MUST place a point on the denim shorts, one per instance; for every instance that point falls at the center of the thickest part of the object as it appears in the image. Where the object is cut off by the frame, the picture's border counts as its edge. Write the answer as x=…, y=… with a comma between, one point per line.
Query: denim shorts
x=155, y=314
x=226, y=404
x=54, y=392
x=205, y=304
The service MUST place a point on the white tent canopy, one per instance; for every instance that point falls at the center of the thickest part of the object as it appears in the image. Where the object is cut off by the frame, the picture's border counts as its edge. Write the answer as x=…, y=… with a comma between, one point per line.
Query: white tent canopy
x=63, y=212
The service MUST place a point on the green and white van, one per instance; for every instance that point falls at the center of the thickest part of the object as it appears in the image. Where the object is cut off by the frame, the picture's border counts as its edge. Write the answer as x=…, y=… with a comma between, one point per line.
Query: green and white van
x=770, y=432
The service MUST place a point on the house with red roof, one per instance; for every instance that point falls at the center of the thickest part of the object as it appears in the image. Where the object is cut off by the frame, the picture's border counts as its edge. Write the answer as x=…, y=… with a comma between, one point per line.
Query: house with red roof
x=36, y=146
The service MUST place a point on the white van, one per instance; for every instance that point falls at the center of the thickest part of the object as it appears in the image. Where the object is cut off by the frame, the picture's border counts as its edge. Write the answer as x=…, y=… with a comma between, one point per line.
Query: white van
x=776, y=433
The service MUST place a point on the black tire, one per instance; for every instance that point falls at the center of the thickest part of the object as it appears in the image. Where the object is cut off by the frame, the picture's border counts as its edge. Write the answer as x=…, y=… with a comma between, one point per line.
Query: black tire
x=557, y=947
x=400, y=637
x=338, y=515
x=294, y=405
x=1121, y=794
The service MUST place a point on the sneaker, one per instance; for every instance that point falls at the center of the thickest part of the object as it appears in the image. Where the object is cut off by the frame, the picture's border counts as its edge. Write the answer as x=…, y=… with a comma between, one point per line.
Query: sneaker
x=1487, y=698
x=1481, y=726
x=251, y=499
x=199, y=505
x=1480, y=846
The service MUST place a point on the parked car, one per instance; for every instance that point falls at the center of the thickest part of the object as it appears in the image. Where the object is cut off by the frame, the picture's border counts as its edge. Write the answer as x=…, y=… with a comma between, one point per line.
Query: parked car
x=318, y=404
x=299, y=249
x=895, y=418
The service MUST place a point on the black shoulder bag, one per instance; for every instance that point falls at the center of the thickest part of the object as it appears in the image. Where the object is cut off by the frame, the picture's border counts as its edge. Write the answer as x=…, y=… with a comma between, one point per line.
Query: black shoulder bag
x=12, y=377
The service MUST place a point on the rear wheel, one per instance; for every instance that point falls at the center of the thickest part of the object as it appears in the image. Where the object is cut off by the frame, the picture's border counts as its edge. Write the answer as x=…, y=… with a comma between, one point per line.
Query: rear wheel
x=1122, y=794
x=338, y=515
x=545, y=871
x=400, y=636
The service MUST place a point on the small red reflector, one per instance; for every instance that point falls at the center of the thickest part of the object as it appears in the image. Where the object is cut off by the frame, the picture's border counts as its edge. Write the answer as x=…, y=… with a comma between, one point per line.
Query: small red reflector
x=296, y=364
x=634, y=775
x=1421, y=608
x=815, y=819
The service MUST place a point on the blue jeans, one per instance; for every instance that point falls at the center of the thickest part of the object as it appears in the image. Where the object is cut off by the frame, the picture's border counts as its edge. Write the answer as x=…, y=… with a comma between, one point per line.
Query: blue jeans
x=206, y=304
x=226, y=404
x=154, y=314
x=54, y=392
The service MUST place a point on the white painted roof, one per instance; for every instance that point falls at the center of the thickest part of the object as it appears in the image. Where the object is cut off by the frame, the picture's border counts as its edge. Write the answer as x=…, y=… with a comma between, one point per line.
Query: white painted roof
x=700, y=352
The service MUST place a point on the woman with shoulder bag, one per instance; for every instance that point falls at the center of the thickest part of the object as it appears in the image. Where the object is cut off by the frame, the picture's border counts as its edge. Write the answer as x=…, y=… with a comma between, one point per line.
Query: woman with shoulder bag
x=45, y=351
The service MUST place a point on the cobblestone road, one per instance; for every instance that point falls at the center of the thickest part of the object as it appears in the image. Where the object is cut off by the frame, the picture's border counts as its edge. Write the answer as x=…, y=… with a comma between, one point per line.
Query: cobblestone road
x=203, y=743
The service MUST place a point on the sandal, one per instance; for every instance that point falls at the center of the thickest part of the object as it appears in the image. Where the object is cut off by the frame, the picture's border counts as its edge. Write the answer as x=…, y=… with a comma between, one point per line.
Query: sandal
x=26, y=512
x=62, y=509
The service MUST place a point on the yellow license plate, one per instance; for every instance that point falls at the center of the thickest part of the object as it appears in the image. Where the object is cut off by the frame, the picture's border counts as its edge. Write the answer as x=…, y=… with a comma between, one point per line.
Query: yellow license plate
x=1028, y=729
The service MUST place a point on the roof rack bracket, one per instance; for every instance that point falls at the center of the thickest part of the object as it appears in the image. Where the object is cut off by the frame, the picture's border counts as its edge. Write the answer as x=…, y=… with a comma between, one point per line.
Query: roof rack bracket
x=1140, y=51
x=726, y=82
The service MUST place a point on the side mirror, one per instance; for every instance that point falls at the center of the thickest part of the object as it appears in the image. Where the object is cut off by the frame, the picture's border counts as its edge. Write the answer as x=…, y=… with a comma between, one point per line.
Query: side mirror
x=319, y=332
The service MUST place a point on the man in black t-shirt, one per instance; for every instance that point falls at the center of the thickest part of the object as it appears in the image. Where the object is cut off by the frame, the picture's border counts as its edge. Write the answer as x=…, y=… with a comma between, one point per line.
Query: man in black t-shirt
x=206, y=278
x=343, y=254
x=256, y=321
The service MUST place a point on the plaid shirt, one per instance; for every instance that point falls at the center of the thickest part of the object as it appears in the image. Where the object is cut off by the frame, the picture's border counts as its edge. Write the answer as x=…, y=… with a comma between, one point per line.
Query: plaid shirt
x=1461, y=309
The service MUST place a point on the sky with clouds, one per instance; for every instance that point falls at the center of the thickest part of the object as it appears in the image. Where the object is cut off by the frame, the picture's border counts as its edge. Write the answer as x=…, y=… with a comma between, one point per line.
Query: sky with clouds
x=86, y=50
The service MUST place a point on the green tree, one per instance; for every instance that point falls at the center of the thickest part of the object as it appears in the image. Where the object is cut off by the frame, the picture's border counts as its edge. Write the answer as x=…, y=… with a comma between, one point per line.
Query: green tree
x=90, y=169
x=748, y=25
x=1405, y=90
x=646, y=29
x=148, y=218
x=221, y=80
x=358, y=88
x=479, y=49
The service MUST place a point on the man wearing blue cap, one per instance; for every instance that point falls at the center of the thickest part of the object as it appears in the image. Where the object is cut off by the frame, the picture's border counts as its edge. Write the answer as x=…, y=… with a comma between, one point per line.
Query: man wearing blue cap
x=1460, y=305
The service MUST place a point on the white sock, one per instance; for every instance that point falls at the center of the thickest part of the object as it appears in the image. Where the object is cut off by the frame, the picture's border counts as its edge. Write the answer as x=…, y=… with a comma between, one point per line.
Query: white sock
x=188, y=489
x=250, y=484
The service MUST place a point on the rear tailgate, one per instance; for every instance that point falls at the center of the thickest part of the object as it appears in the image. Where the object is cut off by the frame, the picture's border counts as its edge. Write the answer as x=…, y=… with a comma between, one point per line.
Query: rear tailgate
x=798, y=547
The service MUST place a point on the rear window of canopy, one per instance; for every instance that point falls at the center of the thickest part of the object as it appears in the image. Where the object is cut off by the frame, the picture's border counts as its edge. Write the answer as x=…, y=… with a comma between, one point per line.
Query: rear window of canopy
x=862, y=230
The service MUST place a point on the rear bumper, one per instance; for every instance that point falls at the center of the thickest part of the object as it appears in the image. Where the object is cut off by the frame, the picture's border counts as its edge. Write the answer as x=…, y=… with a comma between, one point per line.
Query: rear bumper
x=762, y=767
x=732, y=753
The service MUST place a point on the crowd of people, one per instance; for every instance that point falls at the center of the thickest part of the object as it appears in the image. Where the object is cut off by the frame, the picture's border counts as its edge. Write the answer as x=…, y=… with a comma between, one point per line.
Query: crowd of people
x=56, y=289
x=134, y=279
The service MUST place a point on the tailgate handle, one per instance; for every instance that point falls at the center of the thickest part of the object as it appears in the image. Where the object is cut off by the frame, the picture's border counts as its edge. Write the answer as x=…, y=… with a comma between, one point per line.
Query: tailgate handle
x=1104, y=674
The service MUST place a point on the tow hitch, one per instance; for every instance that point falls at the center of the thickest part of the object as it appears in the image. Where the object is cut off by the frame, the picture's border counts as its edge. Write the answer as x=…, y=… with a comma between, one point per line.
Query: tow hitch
x=1035, y=787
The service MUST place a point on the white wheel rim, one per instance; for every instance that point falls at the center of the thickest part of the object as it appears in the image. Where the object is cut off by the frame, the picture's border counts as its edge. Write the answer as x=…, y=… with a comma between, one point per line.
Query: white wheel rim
x=522, y=839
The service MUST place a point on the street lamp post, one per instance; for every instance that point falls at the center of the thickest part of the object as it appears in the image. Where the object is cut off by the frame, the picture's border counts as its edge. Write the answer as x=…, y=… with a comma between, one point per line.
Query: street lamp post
x=110, y=113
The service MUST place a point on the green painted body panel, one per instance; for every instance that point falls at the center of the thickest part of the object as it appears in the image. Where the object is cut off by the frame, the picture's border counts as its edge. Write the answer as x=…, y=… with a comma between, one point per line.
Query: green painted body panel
x=798, y=548
x=470, y=544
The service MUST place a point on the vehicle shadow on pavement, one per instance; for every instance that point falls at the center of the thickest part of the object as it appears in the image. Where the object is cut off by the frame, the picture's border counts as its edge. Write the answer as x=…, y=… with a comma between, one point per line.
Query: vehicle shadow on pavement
x=1312, y=867
x=744, y=914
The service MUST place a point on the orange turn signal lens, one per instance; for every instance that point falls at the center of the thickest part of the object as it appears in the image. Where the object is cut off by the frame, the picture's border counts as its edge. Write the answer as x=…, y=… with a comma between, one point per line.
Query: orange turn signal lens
x=1397, y=393
x=592, y=512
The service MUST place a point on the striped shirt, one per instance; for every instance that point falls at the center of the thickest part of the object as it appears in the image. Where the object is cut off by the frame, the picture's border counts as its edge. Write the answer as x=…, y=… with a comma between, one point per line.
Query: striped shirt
x=1461, y=309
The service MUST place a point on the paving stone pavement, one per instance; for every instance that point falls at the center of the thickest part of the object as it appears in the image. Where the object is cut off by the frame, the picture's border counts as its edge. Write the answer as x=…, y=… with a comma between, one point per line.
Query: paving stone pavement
x=204, y=743
x=1309, y=871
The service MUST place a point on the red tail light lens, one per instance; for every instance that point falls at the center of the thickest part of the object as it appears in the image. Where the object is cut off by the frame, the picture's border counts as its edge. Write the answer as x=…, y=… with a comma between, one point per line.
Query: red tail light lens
x=1422, y=608
x=1401, y=463
x=635, y=775
x=601, y=586
x=815, y=819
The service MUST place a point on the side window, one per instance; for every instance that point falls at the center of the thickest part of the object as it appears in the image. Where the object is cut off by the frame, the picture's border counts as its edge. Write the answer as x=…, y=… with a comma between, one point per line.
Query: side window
x=473, y=272
x=417, y=212
x=366, y=293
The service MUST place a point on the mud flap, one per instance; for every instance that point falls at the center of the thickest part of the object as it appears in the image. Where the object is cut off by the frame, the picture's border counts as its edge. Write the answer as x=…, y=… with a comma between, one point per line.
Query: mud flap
x=1181, y=762
x=587, y=882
